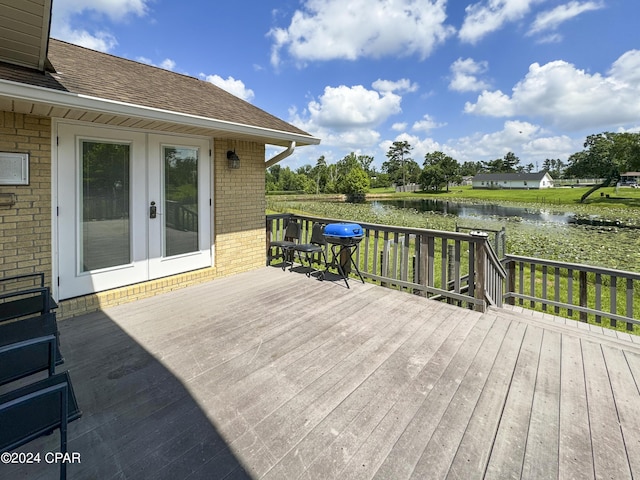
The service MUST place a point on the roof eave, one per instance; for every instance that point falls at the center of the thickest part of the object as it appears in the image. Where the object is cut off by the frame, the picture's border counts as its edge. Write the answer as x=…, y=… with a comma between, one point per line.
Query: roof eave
x=31, y=93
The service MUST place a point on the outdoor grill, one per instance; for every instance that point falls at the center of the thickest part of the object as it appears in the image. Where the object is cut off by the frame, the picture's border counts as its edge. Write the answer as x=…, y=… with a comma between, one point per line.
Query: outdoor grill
x=344, y=234
x=344, y=238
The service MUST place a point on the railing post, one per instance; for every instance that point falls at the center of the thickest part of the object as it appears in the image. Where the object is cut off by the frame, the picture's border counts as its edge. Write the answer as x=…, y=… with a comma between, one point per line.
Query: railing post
x=480, y=268
x=268, y=239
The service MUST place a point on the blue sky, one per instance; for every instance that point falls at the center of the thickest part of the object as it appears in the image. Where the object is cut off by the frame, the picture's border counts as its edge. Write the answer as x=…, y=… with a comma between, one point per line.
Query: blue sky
x=474, y=79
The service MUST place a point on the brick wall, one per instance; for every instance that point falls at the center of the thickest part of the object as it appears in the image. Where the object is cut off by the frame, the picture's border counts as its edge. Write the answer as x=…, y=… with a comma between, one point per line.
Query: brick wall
x=25, y=227
x=239, y=205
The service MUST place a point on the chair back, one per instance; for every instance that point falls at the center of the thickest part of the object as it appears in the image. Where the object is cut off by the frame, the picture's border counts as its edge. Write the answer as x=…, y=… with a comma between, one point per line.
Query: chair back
x=28, y=346
x=317, y=234
x=293, y=231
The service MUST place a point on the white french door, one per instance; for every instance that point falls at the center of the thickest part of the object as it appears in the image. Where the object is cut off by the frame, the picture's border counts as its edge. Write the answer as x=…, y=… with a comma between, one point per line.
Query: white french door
x=179, y=185
x=132, y=206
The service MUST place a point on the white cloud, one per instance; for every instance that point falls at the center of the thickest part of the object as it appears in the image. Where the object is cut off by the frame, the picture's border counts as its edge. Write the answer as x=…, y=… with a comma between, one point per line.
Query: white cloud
x=487, y=17
x=493, y=104
x=401, y=86
x=465, y=75
x=552, y=19
x=426, y=124
x=231, y=85
x=399, y=127
x=347, y=117
x=531, y=143
x=420, y=146
x=333, y=29
x=562, y=95
x=65, y=13
x=346, y=107
x=166, y=64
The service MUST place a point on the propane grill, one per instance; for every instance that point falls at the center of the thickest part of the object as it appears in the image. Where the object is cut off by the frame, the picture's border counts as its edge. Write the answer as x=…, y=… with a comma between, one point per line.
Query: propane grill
x=345, y=234
x=344, y=238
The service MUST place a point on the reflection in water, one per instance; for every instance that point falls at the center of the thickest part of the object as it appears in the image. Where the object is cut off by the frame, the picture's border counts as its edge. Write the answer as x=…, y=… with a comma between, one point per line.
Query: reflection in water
x=481, y=211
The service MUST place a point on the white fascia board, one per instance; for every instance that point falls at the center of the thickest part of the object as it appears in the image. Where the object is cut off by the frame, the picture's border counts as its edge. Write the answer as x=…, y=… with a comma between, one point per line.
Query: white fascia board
x=30, y=93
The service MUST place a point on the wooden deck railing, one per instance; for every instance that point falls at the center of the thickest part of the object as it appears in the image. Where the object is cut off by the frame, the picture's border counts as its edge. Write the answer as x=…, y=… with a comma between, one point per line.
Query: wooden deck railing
x=460, y=268
x=573, y=290
x=464, y=269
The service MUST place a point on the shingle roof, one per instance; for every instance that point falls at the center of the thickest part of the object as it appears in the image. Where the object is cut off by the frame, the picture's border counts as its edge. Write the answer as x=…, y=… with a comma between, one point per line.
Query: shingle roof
x=87, y=72
x=509, y=177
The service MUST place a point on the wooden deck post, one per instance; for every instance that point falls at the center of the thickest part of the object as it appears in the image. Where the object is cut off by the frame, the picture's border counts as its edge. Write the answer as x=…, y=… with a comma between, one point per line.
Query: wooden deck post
x=480, y=268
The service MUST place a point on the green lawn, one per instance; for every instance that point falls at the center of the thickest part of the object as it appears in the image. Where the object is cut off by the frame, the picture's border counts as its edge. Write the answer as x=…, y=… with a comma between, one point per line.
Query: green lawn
x=626, y=197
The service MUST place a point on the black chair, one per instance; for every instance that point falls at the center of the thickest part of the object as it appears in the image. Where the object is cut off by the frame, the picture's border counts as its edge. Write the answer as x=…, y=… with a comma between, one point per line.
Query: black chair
x=317, y=245
x=28, y=346
x=292, y=234
x=38, y=409
x=24, y=295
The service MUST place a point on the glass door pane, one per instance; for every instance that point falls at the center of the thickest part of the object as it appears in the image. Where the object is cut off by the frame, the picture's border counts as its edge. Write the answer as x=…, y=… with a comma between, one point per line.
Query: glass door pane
x=180, y=200
x=105, y=230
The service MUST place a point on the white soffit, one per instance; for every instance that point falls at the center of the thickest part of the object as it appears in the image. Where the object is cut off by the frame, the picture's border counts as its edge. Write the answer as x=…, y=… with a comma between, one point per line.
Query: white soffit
x=24, y=32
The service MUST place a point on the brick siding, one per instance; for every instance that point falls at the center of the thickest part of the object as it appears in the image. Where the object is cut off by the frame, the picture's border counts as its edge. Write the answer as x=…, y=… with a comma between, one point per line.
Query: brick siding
x=25, y=227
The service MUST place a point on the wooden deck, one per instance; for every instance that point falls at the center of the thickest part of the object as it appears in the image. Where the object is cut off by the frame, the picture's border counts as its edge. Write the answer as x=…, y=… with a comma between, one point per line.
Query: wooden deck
x=272, y=375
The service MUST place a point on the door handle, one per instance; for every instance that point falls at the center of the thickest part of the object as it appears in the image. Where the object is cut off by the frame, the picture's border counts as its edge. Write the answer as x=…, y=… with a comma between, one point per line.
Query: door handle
x=153, y=210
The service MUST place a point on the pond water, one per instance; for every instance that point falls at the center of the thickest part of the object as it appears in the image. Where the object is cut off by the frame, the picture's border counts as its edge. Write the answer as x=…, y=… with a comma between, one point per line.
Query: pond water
x=487, y=211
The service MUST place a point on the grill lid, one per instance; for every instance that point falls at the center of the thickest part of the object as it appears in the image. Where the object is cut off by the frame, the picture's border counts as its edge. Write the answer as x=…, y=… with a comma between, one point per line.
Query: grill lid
x=343, y=230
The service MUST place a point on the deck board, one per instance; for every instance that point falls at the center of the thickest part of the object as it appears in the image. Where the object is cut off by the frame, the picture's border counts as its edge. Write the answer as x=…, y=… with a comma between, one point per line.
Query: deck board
x=541, y=454
x=272, y=375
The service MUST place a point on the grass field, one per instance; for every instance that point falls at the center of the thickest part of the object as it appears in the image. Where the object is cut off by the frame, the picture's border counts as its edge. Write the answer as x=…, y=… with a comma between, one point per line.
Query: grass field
x=625, y=197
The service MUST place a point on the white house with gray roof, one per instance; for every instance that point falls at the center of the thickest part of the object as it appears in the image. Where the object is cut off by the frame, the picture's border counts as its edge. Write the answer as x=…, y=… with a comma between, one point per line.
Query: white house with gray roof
x=515, y=181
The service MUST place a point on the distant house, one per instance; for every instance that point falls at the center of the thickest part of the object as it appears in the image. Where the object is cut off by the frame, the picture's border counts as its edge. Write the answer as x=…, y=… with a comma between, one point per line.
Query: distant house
x=630, y=178
x=467, y=180
x=521, y=181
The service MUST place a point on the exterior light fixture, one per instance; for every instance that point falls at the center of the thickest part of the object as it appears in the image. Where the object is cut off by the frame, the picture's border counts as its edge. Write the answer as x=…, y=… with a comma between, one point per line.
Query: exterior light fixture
x=233, y=159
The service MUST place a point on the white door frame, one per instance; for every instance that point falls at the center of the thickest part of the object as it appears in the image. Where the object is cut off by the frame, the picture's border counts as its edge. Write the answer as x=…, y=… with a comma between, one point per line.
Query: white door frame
x=139, y=270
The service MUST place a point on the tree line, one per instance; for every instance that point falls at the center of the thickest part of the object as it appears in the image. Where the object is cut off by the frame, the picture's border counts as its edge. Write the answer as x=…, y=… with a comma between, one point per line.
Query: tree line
x=605, y=155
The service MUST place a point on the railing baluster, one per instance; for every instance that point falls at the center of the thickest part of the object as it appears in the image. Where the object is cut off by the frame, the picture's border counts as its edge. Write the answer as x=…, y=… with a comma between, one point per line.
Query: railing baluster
x=472, y=270
x=544, y=287
x=396, y=246
x=456, y=267
x=480, y=261
x=431, y=261
x=583, y=294
x=613, y=302
x=570, y=291
x=385, y=258
x=443, y=273
x=598, y=304
x=556, y=288
x=629, y=303
x=521, y=286
x=404, y=264
x=532, y=270
x=375, y=251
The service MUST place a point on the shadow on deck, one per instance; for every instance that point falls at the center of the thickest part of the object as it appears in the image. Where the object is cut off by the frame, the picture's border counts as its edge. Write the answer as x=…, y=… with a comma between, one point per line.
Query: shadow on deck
x=273, y=375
